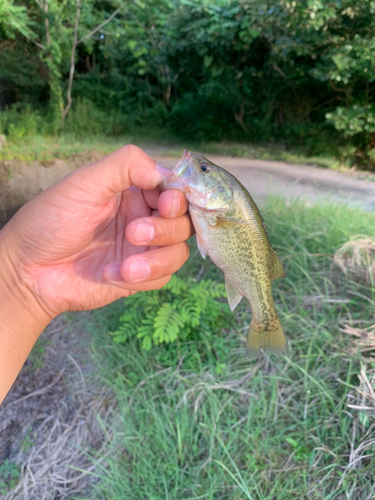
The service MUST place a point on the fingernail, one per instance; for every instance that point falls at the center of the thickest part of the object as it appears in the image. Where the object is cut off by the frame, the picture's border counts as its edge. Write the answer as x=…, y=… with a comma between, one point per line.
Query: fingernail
x=144, y=232
x=175, y=205
x=162, y=170
x=139, y=270
x=113, y=272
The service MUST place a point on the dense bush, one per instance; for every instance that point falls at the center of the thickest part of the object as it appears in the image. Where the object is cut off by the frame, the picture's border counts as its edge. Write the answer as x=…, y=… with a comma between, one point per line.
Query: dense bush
x=300, y=73
x=20, y=121
x=181, y=310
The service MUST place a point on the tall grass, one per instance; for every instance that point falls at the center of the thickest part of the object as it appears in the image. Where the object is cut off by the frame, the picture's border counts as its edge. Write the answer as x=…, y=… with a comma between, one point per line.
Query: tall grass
x=200, y=421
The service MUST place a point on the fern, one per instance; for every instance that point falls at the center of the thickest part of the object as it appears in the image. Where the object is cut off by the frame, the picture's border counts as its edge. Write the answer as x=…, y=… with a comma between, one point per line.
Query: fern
x=167, y=323
x=181, y=310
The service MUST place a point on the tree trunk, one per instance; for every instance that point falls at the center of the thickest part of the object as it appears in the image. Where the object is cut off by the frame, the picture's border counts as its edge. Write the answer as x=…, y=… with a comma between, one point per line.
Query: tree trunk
x=72, y=65
x=239, y=116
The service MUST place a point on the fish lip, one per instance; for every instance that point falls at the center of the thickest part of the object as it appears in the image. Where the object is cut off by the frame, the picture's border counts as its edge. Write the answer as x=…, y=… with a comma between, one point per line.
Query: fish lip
x=182, y=165
x=176, y=180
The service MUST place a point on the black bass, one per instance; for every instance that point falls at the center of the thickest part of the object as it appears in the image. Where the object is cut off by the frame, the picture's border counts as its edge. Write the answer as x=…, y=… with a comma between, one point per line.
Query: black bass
x=231, y=231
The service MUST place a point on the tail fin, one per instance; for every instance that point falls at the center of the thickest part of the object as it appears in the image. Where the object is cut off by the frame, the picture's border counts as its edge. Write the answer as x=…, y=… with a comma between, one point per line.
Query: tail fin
x=268, y=338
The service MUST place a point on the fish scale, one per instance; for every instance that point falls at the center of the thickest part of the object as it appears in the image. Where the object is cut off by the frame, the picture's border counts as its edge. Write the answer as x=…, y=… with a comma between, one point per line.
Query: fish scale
x=231, y=231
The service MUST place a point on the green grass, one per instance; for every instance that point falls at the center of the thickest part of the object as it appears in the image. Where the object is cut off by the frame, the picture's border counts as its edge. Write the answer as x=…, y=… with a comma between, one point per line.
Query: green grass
x=67, y=146
x=198, y=420
x=44, y=148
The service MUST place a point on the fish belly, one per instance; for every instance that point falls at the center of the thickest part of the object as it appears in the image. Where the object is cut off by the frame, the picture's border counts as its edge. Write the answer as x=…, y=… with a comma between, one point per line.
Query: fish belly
x=242, y=257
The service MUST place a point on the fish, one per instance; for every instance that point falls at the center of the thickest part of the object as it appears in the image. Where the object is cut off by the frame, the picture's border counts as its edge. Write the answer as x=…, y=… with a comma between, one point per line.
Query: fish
x=231, y=231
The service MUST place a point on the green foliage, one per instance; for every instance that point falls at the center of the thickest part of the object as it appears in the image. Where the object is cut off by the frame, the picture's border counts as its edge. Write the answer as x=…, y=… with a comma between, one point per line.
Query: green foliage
x=260, y=71
x=358, y=122
x=86, y=119
x=20, y=121
x=9, y=475
x=179, y=311
x=14, y=19
x=354, y=120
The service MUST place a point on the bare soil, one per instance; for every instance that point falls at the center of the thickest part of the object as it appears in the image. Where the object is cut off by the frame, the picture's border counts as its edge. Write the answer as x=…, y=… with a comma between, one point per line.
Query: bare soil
x=51, y=421
x=21, y=181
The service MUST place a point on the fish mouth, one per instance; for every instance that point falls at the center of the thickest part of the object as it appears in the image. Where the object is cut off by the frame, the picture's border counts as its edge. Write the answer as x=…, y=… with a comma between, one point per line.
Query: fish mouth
x=179, y=177
x=183, y=164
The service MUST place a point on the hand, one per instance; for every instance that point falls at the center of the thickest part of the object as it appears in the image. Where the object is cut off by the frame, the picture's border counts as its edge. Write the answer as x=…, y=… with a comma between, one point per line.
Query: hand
x=101, y=233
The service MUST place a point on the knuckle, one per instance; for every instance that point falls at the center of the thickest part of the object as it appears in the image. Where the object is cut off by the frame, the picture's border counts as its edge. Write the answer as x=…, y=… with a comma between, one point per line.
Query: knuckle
x=130, y=150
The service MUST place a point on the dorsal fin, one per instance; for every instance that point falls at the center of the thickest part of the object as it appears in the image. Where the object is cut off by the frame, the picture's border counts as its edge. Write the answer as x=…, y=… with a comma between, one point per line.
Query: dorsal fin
x=278, y=270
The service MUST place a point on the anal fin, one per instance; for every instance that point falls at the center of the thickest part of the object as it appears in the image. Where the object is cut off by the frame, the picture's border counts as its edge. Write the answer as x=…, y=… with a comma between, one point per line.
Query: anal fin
x=233, y=294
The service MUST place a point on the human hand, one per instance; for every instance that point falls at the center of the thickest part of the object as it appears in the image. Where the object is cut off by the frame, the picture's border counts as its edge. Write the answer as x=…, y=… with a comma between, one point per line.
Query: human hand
x=101, y=233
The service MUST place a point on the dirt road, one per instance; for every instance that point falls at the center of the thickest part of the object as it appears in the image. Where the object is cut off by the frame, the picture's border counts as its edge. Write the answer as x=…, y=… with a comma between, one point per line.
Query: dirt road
x=21, y=181
x=309, y=184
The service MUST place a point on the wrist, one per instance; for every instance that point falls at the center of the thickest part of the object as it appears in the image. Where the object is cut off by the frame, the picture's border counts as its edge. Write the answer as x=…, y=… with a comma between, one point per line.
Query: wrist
x=22, y=319
x=15, y=294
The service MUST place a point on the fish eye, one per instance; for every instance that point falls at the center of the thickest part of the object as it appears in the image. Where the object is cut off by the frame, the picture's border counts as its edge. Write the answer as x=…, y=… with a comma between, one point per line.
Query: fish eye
x=205, y=167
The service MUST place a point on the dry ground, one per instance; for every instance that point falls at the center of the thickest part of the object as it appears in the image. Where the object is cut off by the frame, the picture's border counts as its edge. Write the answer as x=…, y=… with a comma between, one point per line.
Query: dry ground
x=50, y=422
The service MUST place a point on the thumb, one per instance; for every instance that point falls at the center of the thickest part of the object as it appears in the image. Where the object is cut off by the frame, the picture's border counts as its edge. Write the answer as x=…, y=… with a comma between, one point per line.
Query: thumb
x=128, y=166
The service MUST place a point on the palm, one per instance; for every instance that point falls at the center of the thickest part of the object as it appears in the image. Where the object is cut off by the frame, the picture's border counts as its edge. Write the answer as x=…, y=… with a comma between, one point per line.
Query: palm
x=81, y=238
x=72, y=245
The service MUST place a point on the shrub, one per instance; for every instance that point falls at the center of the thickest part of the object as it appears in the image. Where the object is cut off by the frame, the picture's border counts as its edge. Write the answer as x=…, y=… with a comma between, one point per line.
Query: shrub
x=357, y=122
x=179, y=311
x=86, y=119
x=19, y=121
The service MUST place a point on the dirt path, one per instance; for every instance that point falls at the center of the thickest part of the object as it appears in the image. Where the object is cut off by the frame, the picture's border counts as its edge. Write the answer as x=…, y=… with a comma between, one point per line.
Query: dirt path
x=20, y=181
x=310, y=184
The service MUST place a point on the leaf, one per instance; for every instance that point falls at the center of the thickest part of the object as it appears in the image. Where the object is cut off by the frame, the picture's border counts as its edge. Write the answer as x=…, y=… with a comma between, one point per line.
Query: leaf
x=207, y=60
x=167, y=323
x=292, y=442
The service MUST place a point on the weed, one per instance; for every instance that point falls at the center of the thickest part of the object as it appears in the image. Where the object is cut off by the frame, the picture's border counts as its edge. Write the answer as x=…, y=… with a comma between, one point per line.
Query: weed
x=357, y=258
x=179, y=311
x=34, y=147
x=37, y=355
x=202, y=421
x=9, y=475
x=27, y=443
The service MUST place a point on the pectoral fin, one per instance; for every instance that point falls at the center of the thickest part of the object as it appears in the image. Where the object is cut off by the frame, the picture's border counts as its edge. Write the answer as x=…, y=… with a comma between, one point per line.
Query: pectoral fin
x=278, y=270
x=234, y=296
x=200, y=246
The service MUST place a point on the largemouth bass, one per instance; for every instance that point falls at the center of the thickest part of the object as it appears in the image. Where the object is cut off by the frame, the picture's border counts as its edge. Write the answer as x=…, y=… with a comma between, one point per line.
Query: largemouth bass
x=231, y=231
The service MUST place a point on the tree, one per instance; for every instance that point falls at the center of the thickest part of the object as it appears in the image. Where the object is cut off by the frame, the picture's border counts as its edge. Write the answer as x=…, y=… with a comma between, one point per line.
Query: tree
x=56, y=28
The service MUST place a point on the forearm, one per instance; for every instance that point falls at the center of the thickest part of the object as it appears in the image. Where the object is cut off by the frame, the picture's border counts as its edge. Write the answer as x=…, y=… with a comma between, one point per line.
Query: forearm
x=21, y=318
